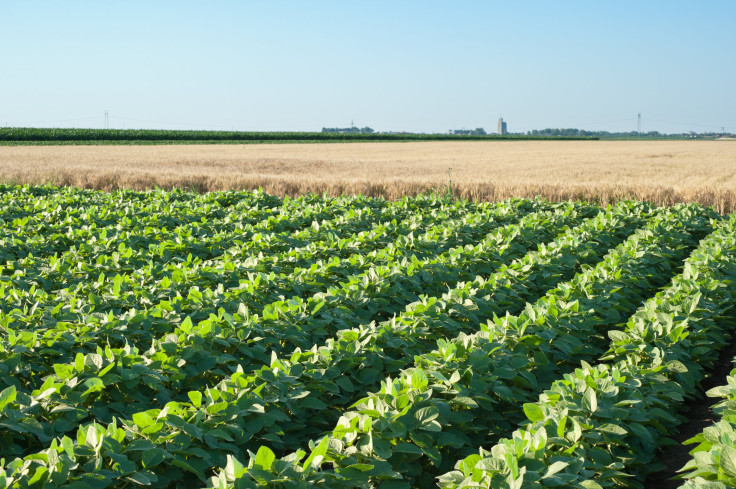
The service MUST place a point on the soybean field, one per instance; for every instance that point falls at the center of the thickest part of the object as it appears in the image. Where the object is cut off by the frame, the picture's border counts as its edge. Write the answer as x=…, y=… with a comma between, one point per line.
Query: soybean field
x=235, y=339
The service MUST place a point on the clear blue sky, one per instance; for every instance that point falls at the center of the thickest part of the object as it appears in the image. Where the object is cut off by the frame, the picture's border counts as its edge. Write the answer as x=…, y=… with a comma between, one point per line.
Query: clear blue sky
x=392, y=65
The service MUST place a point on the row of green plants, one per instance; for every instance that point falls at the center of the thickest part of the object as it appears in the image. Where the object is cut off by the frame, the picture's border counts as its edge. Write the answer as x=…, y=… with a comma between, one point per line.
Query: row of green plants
x=229, y=237
x=86, y=370
x=44, y=226
x=409, y=333
x=80, y=332
x=167, y=376
x=468, y=391
x=350, y=225
x=600, y=426
x=52, y=327
x=354, y=362
x=233, y=242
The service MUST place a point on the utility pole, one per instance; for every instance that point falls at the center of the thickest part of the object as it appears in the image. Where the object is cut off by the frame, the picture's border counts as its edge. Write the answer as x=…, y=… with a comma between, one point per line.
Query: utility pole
x=639, y=123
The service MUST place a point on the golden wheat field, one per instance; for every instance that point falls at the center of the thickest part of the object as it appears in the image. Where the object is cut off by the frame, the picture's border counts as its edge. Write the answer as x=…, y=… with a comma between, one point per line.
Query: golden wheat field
x=663, y=172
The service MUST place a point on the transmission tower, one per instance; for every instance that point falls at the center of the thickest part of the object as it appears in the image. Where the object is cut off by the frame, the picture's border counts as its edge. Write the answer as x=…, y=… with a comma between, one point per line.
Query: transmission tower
x=638, y=127
x=107, y=120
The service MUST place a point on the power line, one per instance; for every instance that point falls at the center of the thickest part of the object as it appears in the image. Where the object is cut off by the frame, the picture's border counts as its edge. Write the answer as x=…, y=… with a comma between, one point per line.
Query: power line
x=598, y=123
x=683, y=123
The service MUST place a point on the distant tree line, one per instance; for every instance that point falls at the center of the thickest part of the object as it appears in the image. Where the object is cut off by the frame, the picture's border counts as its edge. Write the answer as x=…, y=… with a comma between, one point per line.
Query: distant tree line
x=571, y=132
x=349, y=130
x=30, y=135
x=479, y=131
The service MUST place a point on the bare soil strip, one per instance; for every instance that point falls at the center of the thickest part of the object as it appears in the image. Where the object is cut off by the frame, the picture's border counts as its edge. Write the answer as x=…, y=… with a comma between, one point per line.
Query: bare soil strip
x=699, y=412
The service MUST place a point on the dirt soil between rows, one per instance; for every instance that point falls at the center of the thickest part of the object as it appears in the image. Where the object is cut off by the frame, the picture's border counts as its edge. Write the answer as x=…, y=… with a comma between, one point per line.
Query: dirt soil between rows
x=699, y=412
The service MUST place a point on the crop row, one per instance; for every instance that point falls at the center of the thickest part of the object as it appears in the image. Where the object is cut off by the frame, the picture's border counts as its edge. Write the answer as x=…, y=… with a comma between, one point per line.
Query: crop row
x=65, y=376
x=251, y=245
x=351, y=343
x=133, y=258
x=176, y=358
x=203, y=228
x=95, y=250
x=467, y=392
x=599, y=426
x=694, y=221
x=67, y=337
